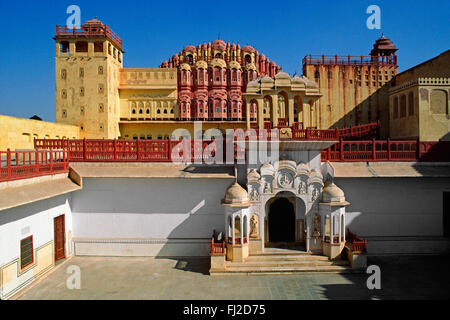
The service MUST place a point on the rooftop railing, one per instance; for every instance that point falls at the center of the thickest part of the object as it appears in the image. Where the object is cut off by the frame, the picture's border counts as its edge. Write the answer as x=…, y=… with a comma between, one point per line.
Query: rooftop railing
x=347, y=60
x=15, y=165
x=89, y=31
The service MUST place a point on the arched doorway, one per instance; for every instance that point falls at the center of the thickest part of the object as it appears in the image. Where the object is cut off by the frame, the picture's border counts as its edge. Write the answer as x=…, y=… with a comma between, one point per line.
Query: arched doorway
x=281, y=221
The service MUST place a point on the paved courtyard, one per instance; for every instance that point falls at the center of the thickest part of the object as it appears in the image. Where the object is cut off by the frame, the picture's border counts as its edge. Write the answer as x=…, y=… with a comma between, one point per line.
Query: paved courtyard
x=407, y=277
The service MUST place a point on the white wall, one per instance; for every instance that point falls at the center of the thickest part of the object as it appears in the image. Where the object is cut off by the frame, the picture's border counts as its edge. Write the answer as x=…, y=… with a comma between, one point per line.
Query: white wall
x=17, y=223
x=394, y=207
x=138, y=208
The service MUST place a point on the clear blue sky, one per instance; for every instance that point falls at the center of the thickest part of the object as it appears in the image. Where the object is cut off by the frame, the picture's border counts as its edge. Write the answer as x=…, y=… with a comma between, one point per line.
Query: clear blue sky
x=153, y=31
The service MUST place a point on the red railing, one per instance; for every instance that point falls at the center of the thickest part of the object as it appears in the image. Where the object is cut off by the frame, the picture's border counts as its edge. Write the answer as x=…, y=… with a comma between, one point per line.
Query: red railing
x=90, y=31
x=15, y=165
x=358, y=245
x=387, y=150
x=217, y=248
x=347, y=60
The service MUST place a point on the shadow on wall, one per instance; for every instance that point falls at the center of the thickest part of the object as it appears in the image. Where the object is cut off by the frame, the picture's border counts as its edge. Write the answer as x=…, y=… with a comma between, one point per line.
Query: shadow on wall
x=360, y=113
x=166, y=217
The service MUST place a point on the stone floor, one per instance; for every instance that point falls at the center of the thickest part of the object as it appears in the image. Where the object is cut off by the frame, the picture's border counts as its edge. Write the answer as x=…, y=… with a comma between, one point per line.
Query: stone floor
x=406, y=277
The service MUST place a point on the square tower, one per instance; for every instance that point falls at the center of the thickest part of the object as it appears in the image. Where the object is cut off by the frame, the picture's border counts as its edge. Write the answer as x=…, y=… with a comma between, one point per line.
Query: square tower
x=87, y=65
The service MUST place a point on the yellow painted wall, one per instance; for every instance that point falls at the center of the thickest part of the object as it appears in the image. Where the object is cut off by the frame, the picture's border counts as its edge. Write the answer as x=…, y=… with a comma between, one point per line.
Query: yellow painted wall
x=12, y=279
x=352, y=95
x=87, y=93
x=130, y=130
x=18, y=133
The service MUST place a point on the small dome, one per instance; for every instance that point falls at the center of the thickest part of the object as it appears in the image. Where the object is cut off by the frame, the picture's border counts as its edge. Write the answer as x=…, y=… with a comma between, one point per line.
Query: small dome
x=267, y=79
x=253, y=175
x=250, y=66
x=234, y=64
x=185, y=66
x=218, y=63
x=248, y=49
x=201, y=65
x=296, y=79
x=253, y=84
x=282, y=75
x=309, y=83
x=219, y=44
x=236, y=196
x=189, y=49
x=332, y=193
x=94, y=21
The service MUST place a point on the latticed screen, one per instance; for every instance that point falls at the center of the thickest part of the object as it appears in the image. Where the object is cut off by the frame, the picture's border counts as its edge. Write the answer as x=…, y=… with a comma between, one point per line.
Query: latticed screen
x=26, y=252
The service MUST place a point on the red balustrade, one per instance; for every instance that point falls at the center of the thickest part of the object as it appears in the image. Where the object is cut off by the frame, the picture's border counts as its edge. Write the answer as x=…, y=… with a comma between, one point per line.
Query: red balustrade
x=217, y=248
x=387, y=150
x=346, y=60
x=89, y=31
x=358, y=245
x=15, y=165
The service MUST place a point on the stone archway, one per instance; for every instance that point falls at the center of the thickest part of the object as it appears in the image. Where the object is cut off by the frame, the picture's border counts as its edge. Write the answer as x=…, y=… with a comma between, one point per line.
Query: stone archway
x=281, y=220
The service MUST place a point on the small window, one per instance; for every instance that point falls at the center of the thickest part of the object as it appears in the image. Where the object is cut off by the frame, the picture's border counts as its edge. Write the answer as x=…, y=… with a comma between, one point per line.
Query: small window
x=101, y=88
x=26, y=252
x=64, y=94
x=63, y=74
x=100, y=127
x=133, y=111
x=141, y=111
x=98, y=46
x=158, y=111
x=165, y=111
x=81, y=46
x=101, y=107
x=149, y=137
x=351, y=81
x=81, y=92
x=82, y=111
x=100, y=70
x=147, y=111
x=64, y=47
x=64, y=113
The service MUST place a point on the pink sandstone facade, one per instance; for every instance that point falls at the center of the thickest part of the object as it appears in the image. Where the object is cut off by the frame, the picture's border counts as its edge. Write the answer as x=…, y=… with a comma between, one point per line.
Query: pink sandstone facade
x=213, y=76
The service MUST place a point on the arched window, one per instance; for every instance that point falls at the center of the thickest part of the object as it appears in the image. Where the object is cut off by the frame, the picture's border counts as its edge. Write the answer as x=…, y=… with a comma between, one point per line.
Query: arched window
x=395, y=111
x=411, y=104
x=248, y=59
x=133, y=111
x=403, y=106
x=158, y=111
x=189, y=59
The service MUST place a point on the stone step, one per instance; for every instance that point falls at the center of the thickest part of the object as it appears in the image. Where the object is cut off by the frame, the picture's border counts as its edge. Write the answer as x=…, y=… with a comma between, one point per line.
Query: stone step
x=285, y=252
x=281, y=270
x=282, y=263
x=285, y=257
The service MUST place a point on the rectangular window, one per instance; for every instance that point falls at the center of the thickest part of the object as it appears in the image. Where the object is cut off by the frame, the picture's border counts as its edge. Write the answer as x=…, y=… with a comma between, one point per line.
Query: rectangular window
x=26, y=252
